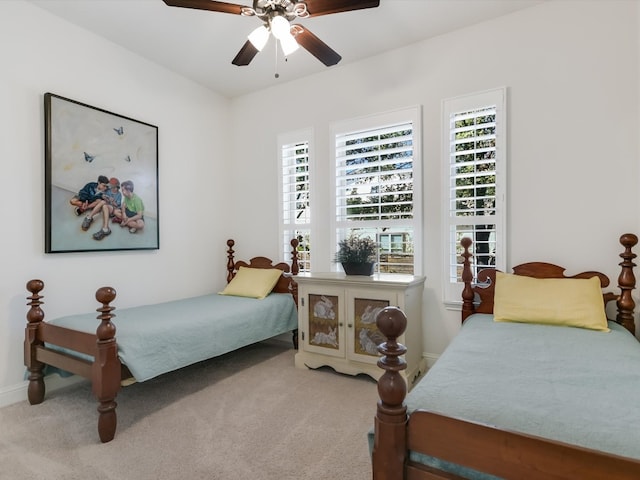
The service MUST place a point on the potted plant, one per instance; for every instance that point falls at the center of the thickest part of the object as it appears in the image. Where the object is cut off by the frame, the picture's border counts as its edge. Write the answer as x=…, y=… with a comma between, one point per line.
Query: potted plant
x=357, y=255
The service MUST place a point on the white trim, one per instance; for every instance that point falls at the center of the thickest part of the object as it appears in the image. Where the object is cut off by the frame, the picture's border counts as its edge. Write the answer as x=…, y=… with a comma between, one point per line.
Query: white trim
x=18, y=393
x=431, y=358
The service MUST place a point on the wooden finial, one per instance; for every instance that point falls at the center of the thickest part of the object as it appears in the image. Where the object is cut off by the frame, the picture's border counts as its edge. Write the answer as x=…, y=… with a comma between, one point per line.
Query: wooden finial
x=106, y=330
x=626, y=283
x=35, y=313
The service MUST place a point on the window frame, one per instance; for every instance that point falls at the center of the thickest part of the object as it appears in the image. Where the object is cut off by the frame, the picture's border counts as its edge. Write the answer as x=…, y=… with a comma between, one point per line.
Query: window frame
x=452, y=290
x=286, y=139
x=413, y=115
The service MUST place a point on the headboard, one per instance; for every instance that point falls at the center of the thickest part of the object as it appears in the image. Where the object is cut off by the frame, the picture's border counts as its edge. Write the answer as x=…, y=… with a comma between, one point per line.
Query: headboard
x=477, y=297
x=285, y=284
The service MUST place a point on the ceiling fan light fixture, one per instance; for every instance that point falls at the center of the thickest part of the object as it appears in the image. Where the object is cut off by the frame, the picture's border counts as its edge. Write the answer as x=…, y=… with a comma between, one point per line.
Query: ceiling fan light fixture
x=288, y=44
x=280, y=27
x=259, y=37
x=276, y=15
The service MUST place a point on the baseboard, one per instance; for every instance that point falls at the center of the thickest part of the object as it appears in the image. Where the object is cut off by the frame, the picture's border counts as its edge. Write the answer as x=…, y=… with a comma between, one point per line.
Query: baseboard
x=18, y=393
x=431, y=359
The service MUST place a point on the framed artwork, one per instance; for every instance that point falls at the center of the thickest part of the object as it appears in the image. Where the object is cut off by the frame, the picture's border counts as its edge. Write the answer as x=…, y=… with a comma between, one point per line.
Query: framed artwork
x=101, y=179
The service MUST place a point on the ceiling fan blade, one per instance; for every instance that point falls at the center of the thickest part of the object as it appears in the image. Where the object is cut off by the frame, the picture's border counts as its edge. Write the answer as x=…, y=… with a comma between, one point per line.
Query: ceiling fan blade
x=315, y=46
x=245, y=55
x=324, y=7
x=210, y=5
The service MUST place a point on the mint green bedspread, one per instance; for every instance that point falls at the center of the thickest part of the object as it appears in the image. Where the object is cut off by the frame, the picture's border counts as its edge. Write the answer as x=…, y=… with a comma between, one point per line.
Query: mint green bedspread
x=159, y=338
x=569, y=384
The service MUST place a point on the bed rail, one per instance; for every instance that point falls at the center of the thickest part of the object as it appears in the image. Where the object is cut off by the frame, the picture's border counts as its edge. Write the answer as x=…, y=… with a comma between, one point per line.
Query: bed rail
x=518, y=456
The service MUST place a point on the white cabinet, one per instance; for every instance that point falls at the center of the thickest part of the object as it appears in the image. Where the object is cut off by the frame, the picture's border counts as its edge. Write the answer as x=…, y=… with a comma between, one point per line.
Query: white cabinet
x=337, y=321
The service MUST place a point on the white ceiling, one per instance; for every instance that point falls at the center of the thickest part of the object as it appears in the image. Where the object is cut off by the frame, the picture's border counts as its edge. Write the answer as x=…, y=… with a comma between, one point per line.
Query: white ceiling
x=201, y=44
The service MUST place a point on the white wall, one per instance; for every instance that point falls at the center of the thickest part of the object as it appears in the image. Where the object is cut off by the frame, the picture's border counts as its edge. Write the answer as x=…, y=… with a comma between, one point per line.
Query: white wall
x=571, y=68
x=41, y=53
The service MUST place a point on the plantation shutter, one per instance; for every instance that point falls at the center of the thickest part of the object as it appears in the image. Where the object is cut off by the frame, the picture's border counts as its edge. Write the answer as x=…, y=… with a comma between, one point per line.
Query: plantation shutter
x=378, y=186
x=475, y=181
x=374, y=176
x=296, y=200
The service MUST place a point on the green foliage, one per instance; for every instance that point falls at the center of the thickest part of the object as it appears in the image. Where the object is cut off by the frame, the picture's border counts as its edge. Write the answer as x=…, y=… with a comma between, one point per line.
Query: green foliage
x=475, y=170
x=377, y=159
x=356, y=249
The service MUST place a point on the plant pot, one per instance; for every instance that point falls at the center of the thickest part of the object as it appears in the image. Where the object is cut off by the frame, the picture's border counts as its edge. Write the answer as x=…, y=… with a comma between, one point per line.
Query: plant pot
x=358, y=268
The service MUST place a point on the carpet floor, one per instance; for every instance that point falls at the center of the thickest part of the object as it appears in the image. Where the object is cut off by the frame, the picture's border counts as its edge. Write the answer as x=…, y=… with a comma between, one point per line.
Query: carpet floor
x=249, y=414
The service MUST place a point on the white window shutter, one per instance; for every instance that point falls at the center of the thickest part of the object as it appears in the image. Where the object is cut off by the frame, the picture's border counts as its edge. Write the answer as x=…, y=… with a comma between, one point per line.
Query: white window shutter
x=378, y=186
x=295, y=195
x=474, y=162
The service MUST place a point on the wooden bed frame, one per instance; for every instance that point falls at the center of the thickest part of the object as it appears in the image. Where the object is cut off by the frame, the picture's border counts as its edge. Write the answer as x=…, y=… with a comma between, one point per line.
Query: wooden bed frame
x=487, y=449
x=106, y=372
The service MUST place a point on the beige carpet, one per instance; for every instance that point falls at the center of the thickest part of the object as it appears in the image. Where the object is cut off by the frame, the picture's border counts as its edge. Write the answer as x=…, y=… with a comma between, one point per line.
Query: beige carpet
x=246, y=415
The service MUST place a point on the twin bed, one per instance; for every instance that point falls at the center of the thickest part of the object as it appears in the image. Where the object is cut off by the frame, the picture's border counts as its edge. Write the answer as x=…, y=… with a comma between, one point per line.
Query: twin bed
x=551, y=398
x=258, y=303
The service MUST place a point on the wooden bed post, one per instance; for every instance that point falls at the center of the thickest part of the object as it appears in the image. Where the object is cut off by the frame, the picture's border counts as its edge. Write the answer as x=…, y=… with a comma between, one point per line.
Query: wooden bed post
x=467, y=277
x=626, y=283
x=35, y=316
x=230, y=261
x=295, y=269
x=106, y=373
x=390, y=440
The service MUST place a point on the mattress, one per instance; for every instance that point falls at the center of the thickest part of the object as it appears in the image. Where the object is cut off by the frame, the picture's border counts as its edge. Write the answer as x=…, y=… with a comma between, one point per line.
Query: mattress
x=159, y=338
x=572, y=385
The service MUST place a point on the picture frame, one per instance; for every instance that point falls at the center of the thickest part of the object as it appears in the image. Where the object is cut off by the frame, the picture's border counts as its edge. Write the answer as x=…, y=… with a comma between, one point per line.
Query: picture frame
x=84, y=147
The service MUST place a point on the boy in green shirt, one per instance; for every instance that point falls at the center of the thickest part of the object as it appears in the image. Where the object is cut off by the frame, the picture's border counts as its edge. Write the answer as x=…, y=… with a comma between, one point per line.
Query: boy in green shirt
x=132, y=212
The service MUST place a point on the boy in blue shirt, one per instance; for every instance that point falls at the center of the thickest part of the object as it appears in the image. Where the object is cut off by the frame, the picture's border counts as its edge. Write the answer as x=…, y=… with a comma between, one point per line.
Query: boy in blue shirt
x=89, y=196
x=111, y=203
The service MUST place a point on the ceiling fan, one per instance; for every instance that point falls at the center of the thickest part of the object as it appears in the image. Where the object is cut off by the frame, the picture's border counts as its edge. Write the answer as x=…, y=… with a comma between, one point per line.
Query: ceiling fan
x=276, y=15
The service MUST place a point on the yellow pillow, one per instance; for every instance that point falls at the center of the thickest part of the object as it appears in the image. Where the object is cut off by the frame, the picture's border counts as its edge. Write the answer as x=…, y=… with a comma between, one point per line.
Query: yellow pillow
x=252, y=282
x=573, y=302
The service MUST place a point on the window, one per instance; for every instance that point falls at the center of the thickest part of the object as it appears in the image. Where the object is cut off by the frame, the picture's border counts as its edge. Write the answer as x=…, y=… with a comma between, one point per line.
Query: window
x=378, y=182
x=296, y=195
x=475, y=183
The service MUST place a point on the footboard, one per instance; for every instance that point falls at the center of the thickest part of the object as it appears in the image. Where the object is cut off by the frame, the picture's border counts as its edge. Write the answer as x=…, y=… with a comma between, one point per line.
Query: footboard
x=105, y=369
x=505, y=454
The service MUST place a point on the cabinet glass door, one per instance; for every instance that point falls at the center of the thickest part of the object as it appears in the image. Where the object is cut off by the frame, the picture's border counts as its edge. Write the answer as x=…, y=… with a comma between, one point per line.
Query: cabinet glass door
x=325, y=325
x=364, y=336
